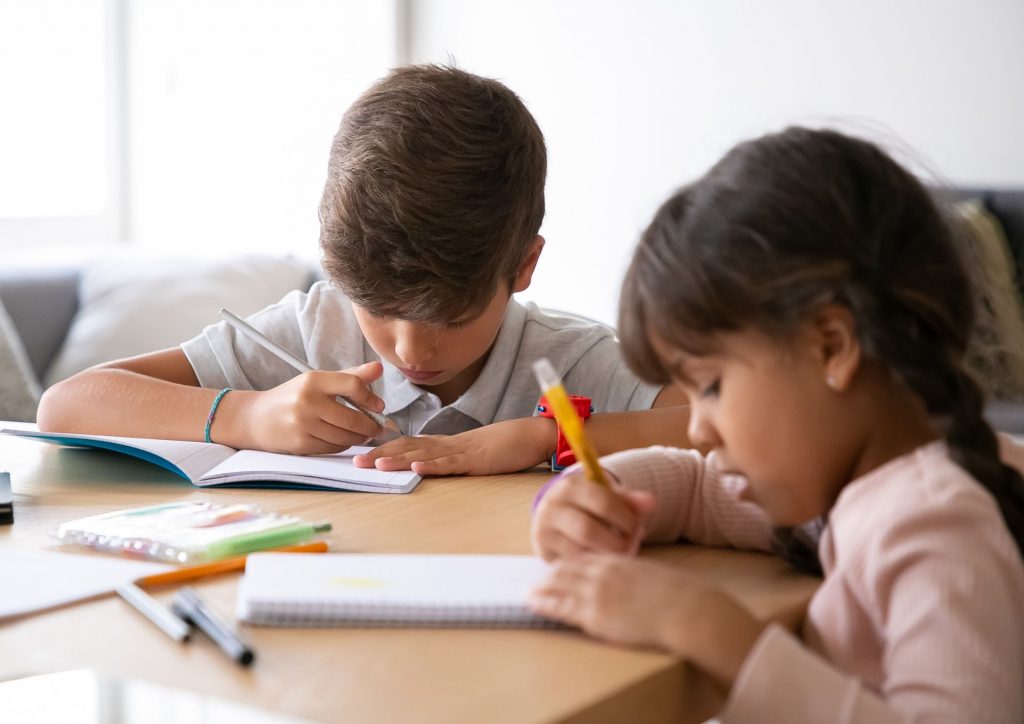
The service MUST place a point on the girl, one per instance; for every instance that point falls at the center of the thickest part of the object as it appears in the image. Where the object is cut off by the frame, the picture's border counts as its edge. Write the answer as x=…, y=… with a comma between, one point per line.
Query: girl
x=808, y=297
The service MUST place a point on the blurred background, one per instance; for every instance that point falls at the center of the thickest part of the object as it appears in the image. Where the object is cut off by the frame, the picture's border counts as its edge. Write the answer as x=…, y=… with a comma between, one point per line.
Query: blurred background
x=203, y=126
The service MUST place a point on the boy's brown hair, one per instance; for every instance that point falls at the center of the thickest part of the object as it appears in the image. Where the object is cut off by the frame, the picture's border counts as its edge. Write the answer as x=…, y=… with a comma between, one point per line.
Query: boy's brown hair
x=434, y=193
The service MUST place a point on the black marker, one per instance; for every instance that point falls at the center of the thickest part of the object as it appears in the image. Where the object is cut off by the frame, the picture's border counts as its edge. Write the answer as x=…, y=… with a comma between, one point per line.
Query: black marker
x=6, y=500
x=190, y=607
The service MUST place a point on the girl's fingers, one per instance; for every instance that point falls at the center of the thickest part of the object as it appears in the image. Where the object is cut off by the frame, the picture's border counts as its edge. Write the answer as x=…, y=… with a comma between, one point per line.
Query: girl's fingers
x=563, y=606
x=611, y=508
x=590, y=533
x=553, y=545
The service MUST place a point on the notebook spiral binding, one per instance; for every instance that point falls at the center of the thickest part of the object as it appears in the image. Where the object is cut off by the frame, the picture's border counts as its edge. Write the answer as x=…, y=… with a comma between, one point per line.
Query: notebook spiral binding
x=372, y=615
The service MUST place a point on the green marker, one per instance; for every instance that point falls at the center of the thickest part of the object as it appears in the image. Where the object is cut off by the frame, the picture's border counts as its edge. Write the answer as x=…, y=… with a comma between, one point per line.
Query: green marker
x=285, y=535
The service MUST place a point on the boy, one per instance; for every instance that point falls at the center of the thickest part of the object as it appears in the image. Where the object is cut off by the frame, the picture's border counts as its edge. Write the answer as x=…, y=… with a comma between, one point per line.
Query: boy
x=429, y=221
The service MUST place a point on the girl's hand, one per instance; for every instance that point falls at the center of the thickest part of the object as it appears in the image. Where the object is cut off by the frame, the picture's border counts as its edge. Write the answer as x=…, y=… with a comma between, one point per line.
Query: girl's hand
x=301, y=416
x=503, y=447
x=578, y=516
x=642, y=603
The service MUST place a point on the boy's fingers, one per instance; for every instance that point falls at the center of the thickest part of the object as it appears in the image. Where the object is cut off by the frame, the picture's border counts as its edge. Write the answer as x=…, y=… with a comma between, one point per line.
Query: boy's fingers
x=313, y=445
x=457, y=464
x=367, y=372
x=337, y=437
x=350, y=386
x=392, y=447
x=345, y=419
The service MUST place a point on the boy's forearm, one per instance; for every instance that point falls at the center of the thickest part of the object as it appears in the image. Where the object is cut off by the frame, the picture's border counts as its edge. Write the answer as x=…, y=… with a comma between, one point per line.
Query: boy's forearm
x=112, y=401
x=614, y=431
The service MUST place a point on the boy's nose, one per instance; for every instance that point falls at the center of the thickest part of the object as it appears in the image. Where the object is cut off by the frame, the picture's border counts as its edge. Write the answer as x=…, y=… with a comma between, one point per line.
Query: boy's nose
x=415, y=344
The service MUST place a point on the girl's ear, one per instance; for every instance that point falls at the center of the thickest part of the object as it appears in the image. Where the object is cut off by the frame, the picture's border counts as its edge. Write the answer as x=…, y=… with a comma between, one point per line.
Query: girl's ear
x=525, y=274
x=835, y=332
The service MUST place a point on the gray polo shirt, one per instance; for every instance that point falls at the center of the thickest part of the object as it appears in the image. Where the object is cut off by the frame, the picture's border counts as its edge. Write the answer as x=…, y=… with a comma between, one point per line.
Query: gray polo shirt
x=320, y=327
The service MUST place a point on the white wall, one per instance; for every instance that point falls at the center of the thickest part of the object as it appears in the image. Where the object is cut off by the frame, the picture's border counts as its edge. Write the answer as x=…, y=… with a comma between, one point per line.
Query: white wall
x=232, y=106
x=635, y=98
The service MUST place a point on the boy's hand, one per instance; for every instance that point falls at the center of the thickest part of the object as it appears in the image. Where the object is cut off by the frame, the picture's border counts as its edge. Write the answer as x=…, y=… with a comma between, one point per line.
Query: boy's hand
x=579, y=516
x=504, y=447
x=637, y=602
x=302, y=417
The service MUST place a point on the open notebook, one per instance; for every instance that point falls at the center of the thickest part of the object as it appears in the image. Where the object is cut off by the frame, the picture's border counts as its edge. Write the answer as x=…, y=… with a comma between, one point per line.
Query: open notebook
x=472, y=591
x=209, y=464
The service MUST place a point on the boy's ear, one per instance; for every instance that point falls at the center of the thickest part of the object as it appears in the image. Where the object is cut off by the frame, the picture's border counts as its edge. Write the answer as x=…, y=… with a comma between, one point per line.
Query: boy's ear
x=835, y=332
x=525, y=274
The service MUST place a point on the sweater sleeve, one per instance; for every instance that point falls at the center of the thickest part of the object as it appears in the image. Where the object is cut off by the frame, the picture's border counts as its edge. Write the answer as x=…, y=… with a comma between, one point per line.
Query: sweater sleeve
x=782, y=682
x=694, y=501
x=944, y=585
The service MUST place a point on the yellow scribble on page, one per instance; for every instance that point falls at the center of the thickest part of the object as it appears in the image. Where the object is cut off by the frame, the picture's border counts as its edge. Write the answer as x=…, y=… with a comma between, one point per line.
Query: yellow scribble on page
x=357, y=582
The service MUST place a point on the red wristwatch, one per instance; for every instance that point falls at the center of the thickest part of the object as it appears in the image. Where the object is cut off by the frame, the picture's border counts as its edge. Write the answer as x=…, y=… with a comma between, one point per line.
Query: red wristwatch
x=564, y=456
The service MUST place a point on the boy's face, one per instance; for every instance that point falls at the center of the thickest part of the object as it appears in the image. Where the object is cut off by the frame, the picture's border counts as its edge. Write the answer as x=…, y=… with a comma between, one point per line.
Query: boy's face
x=445, y=356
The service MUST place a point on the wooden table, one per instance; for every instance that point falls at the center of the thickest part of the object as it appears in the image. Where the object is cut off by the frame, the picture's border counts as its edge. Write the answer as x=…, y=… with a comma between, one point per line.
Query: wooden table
x=366, y=675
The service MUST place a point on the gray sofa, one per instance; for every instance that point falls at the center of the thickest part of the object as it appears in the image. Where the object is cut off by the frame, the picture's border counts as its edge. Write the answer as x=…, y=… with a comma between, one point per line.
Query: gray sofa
x=42, y=303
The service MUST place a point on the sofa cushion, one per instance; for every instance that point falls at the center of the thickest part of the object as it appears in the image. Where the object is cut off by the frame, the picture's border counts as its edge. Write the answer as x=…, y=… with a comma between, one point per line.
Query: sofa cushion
x=41, y=301
x=19, y=388
x=137, y=305
x=996, y=351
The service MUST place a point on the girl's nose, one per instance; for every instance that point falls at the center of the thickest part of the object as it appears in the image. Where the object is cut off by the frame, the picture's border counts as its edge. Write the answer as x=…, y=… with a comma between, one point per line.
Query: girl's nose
x=701, y=432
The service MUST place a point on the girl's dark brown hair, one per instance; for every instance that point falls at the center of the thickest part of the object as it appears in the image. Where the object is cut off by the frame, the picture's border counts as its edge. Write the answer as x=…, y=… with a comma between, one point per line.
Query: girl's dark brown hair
x=790, y=221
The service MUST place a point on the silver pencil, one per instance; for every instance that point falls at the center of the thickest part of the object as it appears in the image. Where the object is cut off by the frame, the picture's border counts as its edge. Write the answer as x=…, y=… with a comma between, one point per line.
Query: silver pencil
x=391, y=430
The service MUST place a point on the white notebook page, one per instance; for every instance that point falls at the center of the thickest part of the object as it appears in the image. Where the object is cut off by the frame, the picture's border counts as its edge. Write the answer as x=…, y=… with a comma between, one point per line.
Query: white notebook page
x=35, y=580
x=371, y=587
x=324, y=467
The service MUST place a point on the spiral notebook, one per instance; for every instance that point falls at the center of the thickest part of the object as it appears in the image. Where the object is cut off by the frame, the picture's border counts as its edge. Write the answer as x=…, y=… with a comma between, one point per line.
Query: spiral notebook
x=455, y=591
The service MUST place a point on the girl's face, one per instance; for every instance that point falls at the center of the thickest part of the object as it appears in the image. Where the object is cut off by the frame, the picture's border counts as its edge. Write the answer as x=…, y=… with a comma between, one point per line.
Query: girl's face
x=770, y=413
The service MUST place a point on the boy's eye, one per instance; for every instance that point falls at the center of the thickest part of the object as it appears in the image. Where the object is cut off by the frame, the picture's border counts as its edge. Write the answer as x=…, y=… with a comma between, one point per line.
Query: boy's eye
x=712, y=389
x=455, y=325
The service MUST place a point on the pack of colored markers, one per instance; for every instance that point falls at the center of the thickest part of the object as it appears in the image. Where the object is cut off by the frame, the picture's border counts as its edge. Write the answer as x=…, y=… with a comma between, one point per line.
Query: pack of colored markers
x=188, y=532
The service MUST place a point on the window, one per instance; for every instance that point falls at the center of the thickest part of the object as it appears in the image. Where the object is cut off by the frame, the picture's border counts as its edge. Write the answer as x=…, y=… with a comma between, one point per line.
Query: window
x=59, y=161
x=185, y=126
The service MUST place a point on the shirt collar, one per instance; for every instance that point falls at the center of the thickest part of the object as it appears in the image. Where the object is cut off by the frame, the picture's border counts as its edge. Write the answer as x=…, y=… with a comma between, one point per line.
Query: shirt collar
x=481, y=400
x=483, y=397
x=398, y=392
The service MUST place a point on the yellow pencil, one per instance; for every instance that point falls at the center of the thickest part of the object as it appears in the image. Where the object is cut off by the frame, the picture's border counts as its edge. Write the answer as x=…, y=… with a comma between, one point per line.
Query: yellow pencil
x=236, y=563
x=568, y=421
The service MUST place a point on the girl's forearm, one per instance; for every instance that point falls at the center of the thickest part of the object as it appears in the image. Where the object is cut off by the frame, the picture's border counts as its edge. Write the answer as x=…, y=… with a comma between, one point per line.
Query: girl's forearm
x=716, y=634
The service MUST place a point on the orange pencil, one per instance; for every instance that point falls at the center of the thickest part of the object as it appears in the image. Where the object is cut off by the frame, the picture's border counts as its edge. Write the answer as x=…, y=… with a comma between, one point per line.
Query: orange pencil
x=236, y=563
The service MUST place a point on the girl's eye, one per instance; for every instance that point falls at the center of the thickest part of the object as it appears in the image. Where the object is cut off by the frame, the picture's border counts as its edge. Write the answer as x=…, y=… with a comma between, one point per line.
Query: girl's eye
x=712, y=389
x=455, y=325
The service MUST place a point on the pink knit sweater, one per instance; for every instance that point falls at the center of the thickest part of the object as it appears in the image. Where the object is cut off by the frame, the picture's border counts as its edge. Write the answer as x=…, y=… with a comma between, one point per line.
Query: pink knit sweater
x=919, y=617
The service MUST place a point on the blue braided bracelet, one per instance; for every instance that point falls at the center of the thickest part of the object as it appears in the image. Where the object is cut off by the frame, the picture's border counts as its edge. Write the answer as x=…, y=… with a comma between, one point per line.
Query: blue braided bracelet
x=213, y=412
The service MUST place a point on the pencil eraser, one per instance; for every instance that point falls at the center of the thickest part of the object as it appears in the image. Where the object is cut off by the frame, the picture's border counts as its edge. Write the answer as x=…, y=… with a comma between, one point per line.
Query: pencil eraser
x=6, y=499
